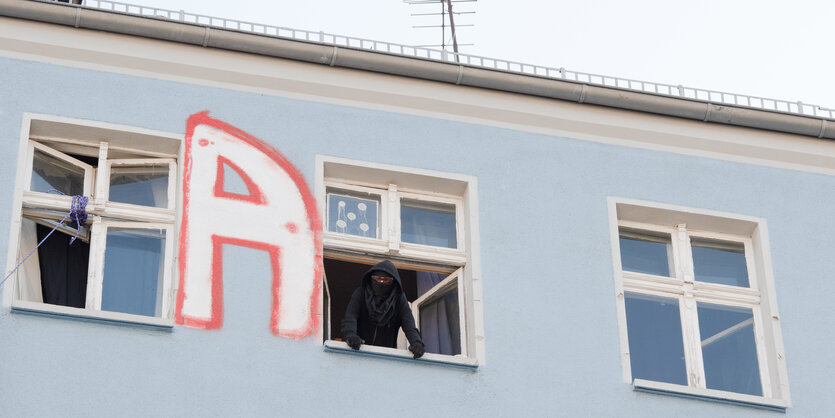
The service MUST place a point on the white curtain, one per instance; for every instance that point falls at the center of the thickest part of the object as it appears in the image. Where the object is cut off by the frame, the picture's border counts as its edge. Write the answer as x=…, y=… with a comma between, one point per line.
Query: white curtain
x=159, y=189
x=29, y=274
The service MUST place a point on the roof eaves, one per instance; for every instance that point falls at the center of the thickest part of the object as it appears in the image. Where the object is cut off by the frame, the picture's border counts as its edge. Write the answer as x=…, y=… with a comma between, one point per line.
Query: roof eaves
x=468, y=70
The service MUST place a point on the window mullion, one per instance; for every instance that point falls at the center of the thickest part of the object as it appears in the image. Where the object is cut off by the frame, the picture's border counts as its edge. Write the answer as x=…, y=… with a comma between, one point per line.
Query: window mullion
x=692, y=340
x=95, y=269
x=759, y=336
x=689, y=309
x=102, y=178
x=393, y=221
x=684, y=262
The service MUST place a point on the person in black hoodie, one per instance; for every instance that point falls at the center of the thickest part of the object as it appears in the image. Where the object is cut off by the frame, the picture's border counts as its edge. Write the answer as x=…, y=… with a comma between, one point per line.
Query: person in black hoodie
x=377, y=310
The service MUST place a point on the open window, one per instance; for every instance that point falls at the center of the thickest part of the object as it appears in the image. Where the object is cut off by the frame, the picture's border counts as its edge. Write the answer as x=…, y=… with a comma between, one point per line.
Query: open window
x=53, y=170
x=432, y=295
x=438, y=314
x=423, y=222
x=120, y=265
x=698, y=313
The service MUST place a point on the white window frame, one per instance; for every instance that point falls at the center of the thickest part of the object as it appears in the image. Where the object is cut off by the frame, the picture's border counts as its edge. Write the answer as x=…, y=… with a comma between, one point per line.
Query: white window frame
x=43, y=218
x=682, y=224
x=95, y=281
x=52, y=200
x=101, y=213
x=389, y=219
x=454, y=280
x=365, y=243
x=394, y=183
x=140, y=162
x=416, y=250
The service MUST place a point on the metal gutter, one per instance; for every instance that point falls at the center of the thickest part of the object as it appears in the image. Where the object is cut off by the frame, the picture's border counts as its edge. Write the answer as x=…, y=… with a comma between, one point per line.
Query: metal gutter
x=361, y=59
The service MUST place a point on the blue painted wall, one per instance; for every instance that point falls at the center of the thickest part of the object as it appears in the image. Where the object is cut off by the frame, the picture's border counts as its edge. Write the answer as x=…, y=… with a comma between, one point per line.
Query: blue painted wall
x=549, y=308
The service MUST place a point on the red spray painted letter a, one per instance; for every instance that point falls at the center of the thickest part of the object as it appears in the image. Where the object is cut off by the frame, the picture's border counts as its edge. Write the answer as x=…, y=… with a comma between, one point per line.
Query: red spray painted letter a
x=277, y=214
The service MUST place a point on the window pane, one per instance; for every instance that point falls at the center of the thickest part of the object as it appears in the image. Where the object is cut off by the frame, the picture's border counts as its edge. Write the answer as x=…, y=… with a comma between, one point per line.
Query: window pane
x=439, y=324
x=656, y=350
x=63, y=267
x=428, y=223
x=145, y=185
x=729, y=349
x=133, y=271
x=720, y=262
x=354, y=214
x=51, y=173
x=644, y=253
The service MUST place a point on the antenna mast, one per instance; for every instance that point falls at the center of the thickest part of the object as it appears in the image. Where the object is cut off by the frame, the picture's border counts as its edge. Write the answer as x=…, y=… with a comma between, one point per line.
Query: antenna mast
x=451, y=26
x=446, y=11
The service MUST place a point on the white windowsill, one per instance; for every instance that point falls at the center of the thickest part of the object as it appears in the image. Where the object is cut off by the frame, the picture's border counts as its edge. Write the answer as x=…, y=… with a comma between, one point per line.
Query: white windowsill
x=90, y=315
x=709, y=394
x=404, y=355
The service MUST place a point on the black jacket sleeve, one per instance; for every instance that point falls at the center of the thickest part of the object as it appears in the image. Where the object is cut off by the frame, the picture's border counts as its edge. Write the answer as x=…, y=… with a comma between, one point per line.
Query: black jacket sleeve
x=407, y=321
x=352, y=313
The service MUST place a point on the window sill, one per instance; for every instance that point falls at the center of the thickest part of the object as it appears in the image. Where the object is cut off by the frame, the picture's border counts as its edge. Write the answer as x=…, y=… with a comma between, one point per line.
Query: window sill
x=710, y=395
x=115, y=318
x=402, y=355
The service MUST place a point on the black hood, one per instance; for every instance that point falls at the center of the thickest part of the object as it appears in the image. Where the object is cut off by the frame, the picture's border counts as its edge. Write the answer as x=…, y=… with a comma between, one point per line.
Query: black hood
x=386, y=266
x=381, y=306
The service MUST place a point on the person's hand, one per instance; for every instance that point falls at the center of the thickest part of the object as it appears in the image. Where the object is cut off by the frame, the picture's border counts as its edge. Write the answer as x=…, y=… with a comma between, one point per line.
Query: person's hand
x=354, y=341
x=417, y=349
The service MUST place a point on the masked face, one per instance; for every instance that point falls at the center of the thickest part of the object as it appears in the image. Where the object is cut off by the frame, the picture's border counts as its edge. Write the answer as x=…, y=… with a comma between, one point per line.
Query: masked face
x=381, y=283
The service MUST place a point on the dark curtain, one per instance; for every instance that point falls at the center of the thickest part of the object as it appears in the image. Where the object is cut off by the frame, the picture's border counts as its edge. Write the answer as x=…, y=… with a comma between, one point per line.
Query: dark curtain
x=63, y=269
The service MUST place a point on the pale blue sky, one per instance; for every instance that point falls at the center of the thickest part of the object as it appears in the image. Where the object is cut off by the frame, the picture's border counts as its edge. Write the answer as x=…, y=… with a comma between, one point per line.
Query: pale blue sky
x=776, y=49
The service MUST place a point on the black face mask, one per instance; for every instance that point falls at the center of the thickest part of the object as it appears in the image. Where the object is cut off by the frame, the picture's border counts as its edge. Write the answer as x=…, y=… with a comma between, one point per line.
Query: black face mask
x=381, y=298
x=381, y=289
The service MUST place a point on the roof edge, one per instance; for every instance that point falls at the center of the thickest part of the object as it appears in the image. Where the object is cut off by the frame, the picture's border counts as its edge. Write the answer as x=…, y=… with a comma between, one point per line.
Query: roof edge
x=427, y=69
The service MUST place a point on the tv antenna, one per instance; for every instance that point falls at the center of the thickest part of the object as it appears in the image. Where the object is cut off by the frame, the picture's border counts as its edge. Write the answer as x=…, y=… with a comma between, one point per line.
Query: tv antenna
x=448, y=17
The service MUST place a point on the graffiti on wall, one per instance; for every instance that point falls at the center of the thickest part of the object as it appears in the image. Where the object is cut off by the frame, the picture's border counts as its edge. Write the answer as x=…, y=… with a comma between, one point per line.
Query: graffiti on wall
x=276, y=214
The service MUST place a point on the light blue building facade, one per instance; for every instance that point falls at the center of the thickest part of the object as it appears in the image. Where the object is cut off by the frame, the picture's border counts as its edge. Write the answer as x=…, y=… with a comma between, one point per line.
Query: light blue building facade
x=546, y=285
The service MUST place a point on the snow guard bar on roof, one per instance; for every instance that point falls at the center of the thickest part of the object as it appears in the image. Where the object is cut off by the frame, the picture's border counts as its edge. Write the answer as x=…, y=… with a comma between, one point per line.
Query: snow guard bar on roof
x=469, y=70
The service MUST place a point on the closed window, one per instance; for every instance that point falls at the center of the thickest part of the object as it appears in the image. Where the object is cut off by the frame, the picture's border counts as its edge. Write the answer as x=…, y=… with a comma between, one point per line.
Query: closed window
x=697, y=305
x=388, y=218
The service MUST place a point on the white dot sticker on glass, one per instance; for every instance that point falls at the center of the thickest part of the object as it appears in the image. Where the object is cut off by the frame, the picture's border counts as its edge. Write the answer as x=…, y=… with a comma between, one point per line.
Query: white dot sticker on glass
x=364, y=227
x=362, y=206
x=351, y=216
x=341, y=203
x=342, y=224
